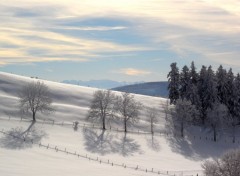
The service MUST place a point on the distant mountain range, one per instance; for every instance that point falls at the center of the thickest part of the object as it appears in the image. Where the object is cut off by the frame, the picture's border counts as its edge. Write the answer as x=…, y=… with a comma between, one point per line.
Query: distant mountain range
x=158, y=89
x=102, y=84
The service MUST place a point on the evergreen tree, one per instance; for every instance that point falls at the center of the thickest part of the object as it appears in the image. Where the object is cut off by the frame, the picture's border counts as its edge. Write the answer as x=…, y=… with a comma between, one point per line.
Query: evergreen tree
x=202, y=87
x=234, y=118
x=194, y=76
x=237, y=96
x=192, y=87
x=184, y=83
x=211, y=92
x=230, y=93
x=173, y=87
x=222, y=86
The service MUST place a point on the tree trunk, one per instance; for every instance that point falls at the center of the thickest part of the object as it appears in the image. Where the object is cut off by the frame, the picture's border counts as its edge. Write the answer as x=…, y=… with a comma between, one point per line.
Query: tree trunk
x=152, y=127
x=234, y=134
x=214, y=134
x=125, y=124
x=182, y=129
x=34, y=116
x=103, y=123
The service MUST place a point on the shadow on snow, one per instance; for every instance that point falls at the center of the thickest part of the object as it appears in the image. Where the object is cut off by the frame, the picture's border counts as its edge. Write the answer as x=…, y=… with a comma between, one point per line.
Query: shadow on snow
x=14, y=139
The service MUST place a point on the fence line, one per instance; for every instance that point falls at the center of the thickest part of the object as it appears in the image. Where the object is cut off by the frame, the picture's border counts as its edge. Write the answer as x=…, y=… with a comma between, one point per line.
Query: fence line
x=161, y=133
x=101, y=161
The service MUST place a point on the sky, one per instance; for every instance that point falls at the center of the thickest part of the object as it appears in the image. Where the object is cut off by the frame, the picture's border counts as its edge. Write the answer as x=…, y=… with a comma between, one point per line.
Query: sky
x=125, y=40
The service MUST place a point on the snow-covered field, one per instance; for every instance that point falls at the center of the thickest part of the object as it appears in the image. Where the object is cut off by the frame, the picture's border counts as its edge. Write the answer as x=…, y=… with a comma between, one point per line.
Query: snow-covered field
x=111, y=152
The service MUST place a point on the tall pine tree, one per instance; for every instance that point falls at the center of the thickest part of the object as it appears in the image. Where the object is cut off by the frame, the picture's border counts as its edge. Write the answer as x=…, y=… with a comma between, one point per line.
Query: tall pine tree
x=222, y=86
x=230, y=93
x=192, y=87
x=184, y=83
x=173, y=87
x=202, y=87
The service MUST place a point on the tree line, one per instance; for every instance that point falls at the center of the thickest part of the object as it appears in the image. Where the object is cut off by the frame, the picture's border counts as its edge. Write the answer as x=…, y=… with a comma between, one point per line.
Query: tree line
x=208, y=97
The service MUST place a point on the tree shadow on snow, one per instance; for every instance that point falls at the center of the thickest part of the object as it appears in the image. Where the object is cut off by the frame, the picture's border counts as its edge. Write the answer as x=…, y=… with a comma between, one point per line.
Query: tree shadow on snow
x=104, y=142
x=153, y=143
x=196, y=148
x=18, y=138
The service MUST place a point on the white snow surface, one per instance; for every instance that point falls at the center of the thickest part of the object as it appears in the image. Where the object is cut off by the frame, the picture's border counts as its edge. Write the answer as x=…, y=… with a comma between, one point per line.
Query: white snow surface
x=52, y=146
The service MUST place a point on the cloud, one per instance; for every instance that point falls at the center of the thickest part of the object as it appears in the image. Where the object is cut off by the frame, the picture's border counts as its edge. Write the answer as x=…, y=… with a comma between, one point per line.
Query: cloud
x=96, y=28
x=133, y=72
x=38, y=31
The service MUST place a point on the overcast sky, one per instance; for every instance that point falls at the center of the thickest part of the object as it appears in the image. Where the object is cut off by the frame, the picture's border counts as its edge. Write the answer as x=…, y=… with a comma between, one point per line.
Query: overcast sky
x=122, y=40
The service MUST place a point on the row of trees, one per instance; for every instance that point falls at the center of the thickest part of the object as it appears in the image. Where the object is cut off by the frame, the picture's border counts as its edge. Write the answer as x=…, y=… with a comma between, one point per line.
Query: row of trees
x=35, y=97
x=107, y=105
x=211, y=98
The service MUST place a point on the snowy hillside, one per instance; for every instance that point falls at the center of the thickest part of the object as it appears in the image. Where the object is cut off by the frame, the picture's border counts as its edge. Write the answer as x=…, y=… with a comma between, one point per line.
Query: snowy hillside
x=52, y=147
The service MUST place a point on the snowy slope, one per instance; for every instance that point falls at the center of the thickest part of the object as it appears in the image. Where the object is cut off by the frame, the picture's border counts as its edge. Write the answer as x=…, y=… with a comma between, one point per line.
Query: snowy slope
x=161, y=152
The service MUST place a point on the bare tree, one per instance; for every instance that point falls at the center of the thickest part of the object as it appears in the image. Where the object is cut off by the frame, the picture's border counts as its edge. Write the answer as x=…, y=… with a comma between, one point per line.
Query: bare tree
x=152, y=114
x=166, y=108
x=101, y=106
x=216, y=117
x=227, y=165
x=35, y=97
x=128, y=109
x=184, y=113
x=232, y=122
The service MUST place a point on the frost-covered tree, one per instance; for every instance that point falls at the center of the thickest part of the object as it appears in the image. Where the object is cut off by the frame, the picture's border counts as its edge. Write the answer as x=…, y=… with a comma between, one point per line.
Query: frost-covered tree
x=127, y=109
x=173, y=87
x=236, y=96
x=152, y=117
x=216, y=116
x=101, y=106
x=166, y=107
x=35, y=97
x=202, y=90
x=227, y=165
x=192, y=89
x=234, y=118
x=222, y=86
x=230, y=92
x=207, y=91
x=184, y=83
x=184, y=113
x=211, y=92
x=194, y=76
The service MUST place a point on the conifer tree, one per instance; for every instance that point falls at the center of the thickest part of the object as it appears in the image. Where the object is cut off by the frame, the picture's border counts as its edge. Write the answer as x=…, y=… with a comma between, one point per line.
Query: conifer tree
x=202, y=87
x=173, y=87
x=192, y=87
x=222, y=87
x=184, y=83
x=211, y=92
x=194, y=76
x=230, y=93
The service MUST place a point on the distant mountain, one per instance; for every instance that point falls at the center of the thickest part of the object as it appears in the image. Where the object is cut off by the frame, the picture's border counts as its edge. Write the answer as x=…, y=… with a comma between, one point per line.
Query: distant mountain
x=102, y=84
x=158, y=89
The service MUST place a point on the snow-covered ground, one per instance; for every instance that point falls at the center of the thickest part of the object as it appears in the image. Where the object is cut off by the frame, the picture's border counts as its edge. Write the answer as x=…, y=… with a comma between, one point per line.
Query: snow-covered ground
x=109, y=151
